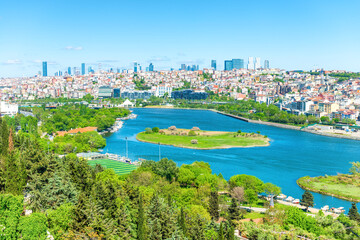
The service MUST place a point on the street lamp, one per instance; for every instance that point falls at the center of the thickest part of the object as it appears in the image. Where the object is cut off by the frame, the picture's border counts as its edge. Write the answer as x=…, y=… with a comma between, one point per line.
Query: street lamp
x=159, y=152
x=126, y=147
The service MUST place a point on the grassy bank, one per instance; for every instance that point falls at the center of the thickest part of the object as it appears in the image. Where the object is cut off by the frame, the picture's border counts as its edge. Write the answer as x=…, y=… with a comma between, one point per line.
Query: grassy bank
x=203, y=139
x=343, y=186
x=120, y=168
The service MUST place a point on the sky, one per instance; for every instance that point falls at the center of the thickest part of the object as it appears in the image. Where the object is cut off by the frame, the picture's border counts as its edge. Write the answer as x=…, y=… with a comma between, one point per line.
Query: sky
x=291, y=34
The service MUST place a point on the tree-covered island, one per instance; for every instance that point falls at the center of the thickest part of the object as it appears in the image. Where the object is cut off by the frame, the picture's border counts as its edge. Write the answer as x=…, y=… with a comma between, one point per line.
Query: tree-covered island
x=199, y=139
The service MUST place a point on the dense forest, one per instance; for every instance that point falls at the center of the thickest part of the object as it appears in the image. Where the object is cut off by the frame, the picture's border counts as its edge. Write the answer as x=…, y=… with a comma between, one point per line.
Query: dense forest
x=42, y=194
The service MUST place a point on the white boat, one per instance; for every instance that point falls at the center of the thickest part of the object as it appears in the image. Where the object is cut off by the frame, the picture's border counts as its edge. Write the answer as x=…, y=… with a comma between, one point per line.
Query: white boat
x=289, y=199
x=281, y=196
x=325, y=208
x=296, y=201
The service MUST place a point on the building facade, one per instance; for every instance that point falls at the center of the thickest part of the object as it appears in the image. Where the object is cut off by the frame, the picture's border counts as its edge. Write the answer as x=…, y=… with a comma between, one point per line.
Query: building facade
x=228, y=65
x=44, y=67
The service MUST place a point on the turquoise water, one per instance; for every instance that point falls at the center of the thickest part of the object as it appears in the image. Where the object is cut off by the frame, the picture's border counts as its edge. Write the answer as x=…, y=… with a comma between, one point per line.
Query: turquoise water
x=291, y=154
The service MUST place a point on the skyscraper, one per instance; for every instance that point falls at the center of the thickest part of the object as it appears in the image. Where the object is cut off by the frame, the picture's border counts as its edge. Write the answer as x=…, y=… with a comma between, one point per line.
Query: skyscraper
x=183, y=66
x=135, y=67
x=266, y=64
x=238, y=63
x=44, y=65
x=228, y=65
x=257, y=63
x=151, y=67
x=250, y=63
x=83, y=69
x=69, y=70
x=213, y=64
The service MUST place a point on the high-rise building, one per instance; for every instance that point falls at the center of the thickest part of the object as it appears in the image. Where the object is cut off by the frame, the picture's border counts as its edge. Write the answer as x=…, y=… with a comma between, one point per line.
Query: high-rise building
x=83, y=69
x=257, y=63
x=266, y=64
x=250, y=63
x=213, y=64
x=228, y=65
x=183, y=66
x=44, y=72
x=238, y=63
x=151, y=67
x=135, y=67
x=69, y=70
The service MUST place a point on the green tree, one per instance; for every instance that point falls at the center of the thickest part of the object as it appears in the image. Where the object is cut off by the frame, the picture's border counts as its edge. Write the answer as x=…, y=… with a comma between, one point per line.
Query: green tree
x=307, y=200
x=33, y=226
x=233, y=211
x=221, y=232
x=155, y=129
x=214, y=205
x=353, y=213
x=251, y=196
x=141, y=231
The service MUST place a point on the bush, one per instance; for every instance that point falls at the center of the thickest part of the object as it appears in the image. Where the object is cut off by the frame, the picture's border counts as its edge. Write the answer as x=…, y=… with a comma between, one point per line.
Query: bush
x=155, y=129
x=194, y=141
x=148, y=130
x=191, y=133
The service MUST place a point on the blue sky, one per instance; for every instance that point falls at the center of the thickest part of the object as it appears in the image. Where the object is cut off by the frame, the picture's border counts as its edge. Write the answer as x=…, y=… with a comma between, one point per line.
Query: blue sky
x=290, y=34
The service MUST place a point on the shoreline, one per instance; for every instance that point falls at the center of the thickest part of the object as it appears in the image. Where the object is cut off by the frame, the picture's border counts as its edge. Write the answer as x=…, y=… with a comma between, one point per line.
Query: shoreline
x=266, y=145
x=273, y=124
x=326, y=193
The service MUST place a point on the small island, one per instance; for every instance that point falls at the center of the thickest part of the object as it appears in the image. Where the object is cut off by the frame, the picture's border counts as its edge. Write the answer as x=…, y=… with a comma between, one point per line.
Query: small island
x=199, y=139
x=343, y=186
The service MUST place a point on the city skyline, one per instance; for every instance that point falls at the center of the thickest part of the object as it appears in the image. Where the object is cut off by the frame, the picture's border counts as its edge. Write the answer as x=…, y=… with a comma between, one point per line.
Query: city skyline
x=290, y=35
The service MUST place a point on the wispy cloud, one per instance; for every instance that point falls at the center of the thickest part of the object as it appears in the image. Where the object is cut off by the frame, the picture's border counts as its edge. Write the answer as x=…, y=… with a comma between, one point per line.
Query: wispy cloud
x=159, y=59
x=72, y=48
x=108, y=61
x=12, y=62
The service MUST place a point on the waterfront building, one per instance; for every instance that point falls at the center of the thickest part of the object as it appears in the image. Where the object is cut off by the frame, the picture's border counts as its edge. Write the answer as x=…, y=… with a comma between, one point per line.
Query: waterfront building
x=228, y=65
x=266, y=64
x=8, y=109
x=83, y=69
x=44, y=68
x=189, y=94
x=105, y=92
x=116, y=92
x=162, y=89
x=136, y=94
x=237, y=63
x=250, y=65
x=213, y=64
x=151, y=67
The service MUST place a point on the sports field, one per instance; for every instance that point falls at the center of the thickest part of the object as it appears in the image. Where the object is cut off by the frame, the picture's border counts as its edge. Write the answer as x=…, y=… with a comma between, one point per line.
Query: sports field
x=119, y=167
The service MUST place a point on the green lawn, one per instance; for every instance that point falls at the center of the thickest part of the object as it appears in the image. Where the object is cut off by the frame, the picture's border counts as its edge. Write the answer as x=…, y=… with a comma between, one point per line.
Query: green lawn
x=224, y=140
x=119, y=167
x=344, y=186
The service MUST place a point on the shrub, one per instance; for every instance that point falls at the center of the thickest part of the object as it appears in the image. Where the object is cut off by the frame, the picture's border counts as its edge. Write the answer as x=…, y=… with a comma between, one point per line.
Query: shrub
x=191, y=133
x=148, y=130
x=155, y=129
x=239, y=131
x=194, y=141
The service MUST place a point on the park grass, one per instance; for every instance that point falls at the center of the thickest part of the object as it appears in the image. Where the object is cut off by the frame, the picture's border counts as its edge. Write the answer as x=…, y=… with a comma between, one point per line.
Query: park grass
x=254, y=215
x=206, y=139
x=120, y=168
x=344, y=186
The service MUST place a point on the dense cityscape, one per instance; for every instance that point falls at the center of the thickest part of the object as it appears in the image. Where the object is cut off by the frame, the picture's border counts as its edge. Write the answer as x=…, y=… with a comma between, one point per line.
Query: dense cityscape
x=168, y=120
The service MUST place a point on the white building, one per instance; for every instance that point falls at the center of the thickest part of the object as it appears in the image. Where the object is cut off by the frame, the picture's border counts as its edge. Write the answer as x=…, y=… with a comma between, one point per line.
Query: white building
x=250, y=63
x=8, y=109
x=257, y=63
x=162, y=89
